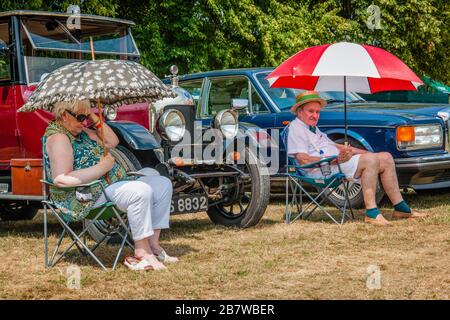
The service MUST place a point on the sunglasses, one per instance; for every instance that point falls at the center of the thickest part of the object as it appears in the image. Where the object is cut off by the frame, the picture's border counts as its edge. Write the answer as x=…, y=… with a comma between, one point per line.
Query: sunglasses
x=79, y=117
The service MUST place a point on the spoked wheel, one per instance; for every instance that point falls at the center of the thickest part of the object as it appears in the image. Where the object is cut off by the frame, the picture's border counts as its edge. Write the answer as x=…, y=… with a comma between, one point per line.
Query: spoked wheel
x=238, y=208
x=354, y=188
x=247, y=201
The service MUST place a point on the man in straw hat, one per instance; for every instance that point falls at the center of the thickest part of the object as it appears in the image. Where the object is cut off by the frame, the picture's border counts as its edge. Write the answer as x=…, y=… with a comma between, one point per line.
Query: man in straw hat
x=308, y=144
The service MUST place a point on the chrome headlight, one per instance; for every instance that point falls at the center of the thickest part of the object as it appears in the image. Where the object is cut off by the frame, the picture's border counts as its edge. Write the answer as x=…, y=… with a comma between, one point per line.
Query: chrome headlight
x=110, y=113
x=227, y=122
x=172, y=125
x=419, y=137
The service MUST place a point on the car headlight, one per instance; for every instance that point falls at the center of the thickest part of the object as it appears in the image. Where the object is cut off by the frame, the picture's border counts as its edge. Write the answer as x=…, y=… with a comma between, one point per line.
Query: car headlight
x=227, y=122
x=110, y=113
x=419, y=137
x=172, y=125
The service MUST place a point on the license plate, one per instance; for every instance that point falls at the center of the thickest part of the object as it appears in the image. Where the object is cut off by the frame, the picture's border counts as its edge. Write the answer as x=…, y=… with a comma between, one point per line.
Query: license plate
x=189, y=203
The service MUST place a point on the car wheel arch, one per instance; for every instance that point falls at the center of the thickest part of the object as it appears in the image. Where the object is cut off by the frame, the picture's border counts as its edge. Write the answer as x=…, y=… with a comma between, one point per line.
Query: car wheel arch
x=340, y=133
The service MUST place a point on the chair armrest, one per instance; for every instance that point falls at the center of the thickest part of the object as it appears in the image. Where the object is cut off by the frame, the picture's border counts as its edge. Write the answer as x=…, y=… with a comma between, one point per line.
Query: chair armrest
x=135, y=173
x=316, y=163
x=90, y=184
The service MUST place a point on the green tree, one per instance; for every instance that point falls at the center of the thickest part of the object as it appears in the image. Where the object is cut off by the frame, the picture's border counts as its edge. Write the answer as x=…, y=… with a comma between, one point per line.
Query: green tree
x=100, y=7
x=200, y=35
x=417, y=31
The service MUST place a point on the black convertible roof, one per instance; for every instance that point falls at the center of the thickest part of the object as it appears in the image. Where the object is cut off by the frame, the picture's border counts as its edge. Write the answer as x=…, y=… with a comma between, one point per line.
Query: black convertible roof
x=90, y=17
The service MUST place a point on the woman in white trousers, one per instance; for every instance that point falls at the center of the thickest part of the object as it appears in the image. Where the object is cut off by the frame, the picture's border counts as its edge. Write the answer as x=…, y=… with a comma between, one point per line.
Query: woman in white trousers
x=75, y=157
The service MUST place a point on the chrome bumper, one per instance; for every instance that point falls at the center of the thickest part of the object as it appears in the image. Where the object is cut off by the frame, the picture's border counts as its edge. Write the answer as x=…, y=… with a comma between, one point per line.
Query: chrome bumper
x=430, y=172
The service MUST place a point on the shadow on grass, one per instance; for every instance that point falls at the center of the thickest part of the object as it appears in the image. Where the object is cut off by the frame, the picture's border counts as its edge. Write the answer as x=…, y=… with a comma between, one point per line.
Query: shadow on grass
x=31, y=228
x=420, y=201
x=107, y=253
x=35, y=228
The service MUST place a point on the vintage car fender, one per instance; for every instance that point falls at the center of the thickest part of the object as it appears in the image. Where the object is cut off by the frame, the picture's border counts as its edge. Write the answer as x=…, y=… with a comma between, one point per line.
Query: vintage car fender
x=135, y=136
x=351, y=134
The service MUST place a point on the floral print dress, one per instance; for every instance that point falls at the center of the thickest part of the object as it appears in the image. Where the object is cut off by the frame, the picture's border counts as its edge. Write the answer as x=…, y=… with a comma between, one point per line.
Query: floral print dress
x=86, y=153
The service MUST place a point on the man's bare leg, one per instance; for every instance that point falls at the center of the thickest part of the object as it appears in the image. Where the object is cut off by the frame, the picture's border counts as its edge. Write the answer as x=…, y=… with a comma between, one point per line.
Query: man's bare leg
x=389, y=181
x=368, y=170
x=388, y=177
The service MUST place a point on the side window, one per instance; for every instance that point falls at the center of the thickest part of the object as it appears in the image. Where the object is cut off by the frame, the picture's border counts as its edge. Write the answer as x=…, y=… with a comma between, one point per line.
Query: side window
x=223, y=90
x=258, y=105
x=5, y=64
x=194, y=87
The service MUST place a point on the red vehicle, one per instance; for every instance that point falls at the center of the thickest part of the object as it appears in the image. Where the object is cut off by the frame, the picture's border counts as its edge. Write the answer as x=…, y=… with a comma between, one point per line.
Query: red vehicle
x=33, y=44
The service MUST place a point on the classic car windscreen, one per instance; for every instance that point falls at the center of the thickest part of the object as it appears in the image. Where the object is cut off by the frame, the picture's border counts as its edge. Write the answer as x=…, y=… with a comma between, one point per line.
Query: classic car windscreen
x=48, y=44
x=284, y=98
x=53, y=34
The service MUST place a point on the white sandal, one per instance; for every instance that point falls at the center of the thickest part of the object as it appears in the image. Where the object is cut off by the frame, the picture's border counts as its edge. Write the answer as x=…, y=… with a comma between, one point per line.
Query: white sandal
x=137, y=264
x=165, y=258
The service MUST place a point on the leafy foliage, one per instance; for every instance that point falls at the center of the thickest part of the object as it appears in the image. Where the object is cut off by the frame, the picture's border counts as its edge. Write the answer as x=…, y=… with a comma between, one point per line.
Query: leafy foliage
x=200, y=35
x=100, y=7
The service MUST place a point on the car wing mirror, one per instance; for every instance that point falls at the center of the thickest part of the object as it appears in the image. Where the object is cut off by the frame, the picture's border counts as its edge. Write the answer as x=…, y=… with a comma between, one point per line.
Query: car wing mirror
x=239, y=104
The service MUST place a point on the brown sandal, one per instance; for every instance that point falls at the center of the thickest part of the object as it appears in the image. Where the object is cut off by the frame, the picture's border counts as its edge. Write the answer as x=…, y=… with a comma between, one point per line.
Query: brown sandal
x=412, y=215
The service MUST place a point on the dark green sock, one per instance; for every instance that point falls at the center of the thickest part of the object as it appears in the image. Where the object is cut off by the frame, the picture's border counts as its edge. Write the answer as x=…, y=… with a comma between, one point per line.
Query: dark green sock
x=402, y=207
x=372, y=213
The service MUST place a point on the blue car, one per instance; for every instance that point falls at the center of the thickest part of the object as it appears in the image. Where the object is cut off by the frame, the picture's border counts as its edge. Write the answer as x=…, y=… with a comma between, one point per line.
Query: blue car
x=415, y=134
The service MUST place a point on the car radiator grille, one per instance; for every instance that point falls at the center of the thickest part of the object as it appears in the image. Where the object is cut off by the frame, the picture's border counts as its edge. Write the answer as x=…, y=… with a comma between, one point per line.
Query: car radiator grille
x=447, y=136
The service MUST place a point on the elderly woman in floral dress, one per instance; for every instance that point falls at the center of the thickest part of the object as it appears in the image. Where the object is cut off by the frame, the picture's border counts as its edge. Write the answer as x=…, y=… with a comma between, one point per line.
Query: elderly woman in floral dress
x=74, y=156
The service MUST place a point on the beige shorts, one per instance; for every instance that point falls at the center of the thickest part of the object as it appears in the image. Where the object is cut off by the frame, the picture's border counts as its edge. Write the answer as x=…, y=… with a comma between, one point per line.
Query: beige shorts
x=348, y=168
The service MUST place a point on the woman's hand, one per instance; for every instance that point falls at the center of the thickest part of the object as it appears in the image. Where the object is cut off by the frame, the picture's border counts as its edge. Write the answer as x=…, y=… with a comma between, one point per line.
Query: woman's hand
x=110, y=138
x=94, y=118
x=107, y=162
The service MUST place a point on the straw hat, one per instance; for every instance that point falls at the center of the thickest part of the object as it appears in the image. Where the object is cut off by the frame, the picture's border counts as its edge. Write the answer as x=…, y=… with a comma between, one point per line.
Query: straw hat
x=305, y=97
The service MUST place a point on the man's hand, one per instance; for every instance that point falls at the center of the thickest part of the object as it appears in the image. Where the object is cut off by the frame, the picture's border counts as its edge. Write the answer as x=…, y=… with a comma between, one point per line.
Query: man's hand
x=345, y=154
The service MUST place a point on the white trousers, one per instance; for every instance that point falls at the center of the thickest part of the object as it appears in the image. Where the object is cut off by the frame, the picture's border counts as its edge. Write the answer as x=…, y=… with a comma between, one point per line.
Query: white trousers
x=145, y=200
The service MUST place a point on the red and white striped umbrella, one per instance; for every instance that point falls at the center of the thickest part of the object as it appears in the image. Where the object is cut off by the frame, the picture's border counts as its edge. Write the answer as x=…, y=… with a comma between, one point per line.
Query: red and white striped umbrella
x=344, y=67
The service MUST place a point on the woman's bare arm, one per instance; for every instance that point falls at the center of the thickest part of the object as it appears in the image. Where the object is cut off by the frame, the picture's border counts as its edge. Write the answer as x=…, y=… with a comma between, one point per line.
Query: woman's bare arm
x=60, y=153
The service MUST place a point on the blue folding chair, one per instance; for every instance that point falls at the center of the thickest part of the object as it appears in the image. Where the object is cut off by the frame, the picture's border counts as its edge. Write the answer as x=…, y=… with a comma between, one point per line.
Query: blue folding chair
x=296, y=179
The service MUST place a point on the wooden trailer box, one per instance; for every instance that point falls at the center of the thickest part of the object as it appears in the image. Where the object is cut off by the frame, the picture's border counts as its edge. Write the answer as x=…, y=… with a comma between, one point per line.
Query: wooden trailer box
x=26, y=175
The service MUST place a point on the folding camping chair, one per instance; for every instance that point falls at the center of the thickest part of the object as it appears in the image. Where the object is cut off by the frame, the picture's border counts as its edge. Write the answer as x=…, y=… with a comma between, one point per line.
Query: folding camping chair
x=296, y=179
x=114, y=222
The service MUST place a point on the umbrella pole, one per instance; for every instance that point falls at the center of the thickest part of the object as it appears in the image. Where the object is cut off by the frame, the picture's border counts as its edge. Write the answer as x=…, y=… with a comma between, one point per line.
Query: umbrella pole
x=99, y=109
x=345, y=111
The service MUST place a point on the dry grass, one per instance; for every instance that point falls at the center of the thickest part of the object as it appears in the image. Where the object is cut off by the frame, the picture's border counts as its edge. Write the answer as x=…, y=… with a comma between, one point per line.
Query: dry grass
x=305, y=260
